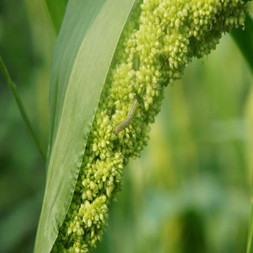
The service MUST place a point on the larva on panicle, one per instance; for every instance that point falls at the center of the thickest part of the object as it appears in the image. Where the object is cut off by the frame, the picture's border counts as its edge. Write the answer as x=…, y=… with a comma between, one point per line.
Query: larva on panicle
x=155, y=47
x=125, y=123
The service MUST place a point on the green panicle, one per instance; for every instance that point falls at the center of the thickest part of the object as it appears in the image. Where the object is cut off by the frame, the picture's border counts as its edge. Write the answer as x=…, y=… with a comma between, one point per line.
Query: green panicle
x=159, y=41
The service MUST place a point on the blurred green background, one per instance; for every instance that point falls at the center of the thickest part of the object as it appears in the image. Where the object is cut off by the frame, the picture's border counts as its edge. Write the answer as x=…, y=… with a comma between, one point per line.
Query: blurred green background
x=190, y=190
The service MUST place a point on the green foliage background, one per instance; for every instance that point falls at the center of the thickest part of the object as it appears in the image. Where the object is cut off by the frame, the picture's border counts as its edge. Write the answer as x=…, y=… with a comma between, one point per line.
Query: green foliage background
x=189, y=191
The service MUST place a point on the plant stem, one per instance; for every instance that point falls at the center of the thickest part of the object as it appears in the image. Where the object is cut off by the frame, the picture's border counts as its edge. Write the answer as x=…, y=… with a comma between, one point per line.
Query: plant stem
x=21, y=108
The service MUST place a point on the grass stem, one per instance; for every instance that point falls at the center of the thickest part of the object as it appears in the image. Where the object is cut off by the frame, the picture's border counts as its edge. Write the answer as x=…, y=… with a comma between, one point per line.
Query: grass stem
x=21, y=108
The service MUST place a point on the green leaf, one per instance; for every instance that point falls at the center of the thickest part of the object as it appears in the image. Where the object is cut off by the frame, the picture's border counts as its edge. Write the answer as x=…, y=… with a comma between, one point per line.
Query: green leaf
x=56, y=9
x=250, y=230
x=84, y=50
x=244, y=40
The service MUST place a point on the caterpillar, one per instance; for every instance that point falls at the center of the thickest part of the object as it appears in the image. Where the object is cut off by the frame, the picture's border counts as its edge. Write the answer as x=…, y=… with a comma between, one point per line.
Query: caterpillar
x=125, y=123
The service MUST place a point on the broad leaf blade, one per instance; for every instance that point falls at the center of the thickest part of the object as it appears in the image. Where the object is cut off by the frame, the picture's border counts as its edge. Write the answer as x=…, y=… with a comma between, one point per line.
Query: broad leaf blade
x=56, y=9
x=83, y=54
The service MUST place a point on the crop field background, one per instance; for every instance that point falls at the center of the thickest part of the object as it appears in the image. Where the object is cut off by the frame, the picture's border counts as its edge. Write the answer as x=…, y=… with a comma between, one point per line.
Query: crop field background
x=189, y=192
